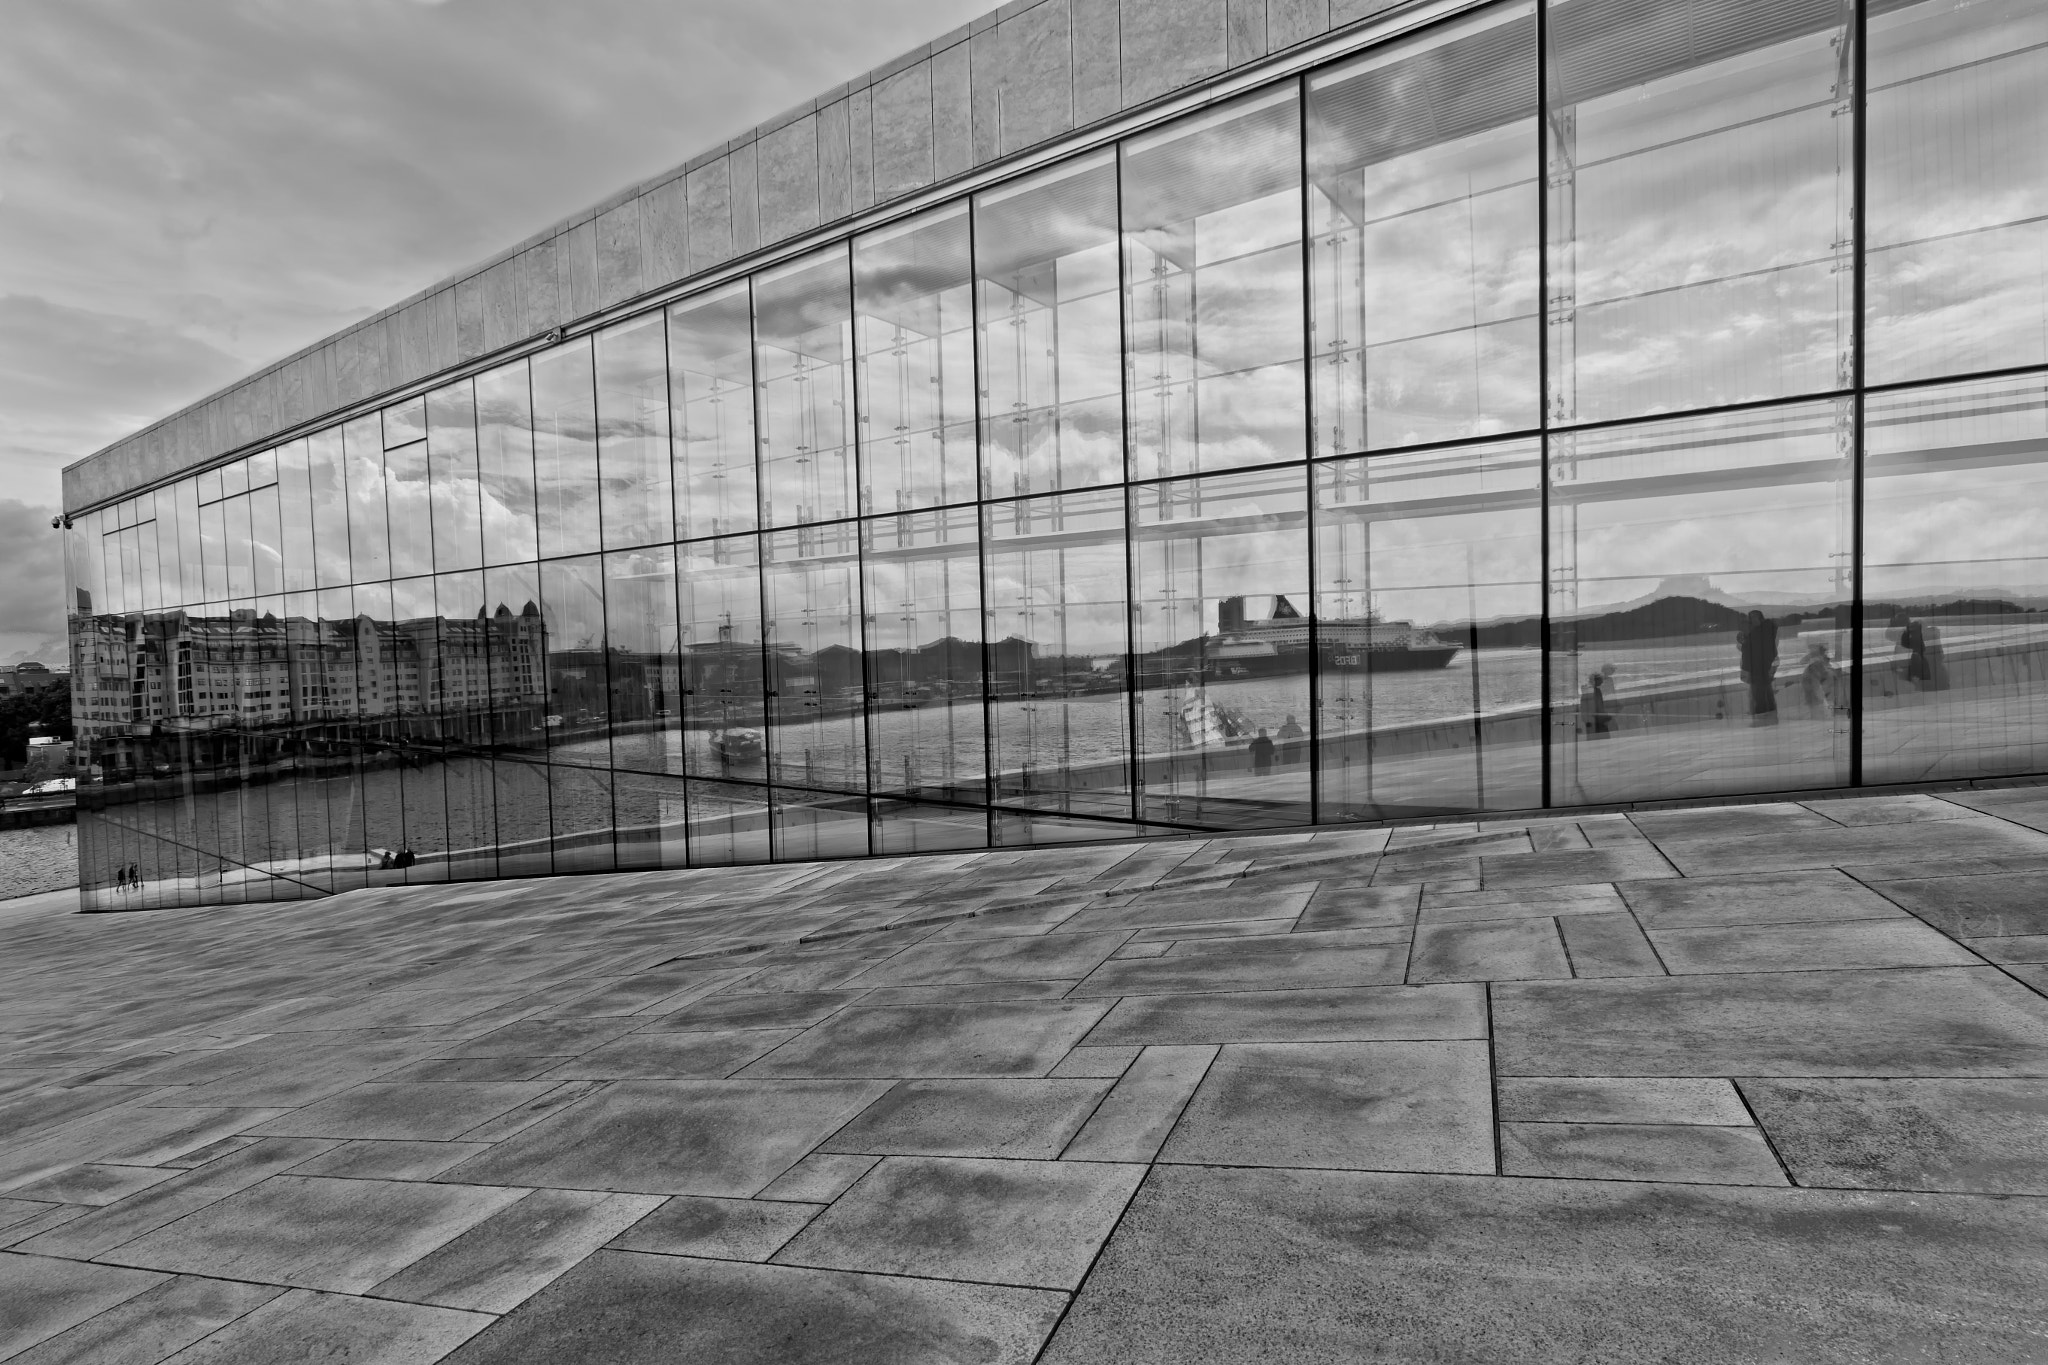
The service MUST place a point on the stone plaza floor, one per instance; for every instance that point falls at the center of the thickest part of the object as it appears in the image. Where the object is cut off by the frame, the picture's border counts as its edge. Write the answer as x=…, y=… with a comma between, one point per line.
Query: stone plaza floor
x=1720, y=1084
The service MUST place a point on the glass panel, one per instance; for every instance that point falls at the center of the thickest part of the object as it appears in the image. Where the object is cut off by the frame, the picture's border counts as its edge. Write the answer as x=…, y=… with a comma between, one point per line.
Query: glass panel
x=565, y=449
x=579, y=744
x=728, y=823
x=209, y=485
x=1423, y=255
x=262, y=469
x=1957, y=273
x=415, y=645
x=369, y=541
x=504, y=421
x=632, y=433
x=1954, y=641
x=405, y=423
x=811, y=590
x=803, y=355
x=711, y=403
x=1702, y=174
x=921, y=573
x=1223, y=652
x=1059, y=715
x=326, y=462
x=460, y=699
x=148, y=567
x=646, y=664
x=452, y=474
x=519, y=710
x=377, y=820
x=914, y=333
x=191, y=557
x=1693, y=565
x=211, y=547
x=409, y=502
x=343, y=671
x=295, y=511
x=1212, y=271
x=266, y=530
x=652, y=816
x=1045, y=264
x=1429, y=632
x=236, y=536
x=815, y=825
x=234, y=478
x=719, y=585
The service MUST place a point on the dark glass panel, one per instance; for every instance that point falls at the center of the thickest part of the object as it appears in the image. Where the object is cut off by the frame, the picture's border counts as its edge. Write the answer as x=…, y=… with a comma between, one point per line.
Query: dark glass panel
x=921, y=573
x=913, y=326
x=409, y=503
x=902, y=826
x=452, y=474
x=1693, y=565
x=1957, y=273
x=718, y=584
x=632, y=433
x=369, y=540
x=295, y=513
x=1046, y=266
x=1701, y=167
x=1222, y=648
x=1059, y=713
x=711, y=403
x=342, y=673
x=565, y=449
x=1213, y=289
x=377, y=817
x=415, y=643
x=645, y=662
x=326, y=465
x=811, y=591
x=803, y=368
x=504, y=422
x=1423, y=251
x=1429, y=632
x=1956, y=489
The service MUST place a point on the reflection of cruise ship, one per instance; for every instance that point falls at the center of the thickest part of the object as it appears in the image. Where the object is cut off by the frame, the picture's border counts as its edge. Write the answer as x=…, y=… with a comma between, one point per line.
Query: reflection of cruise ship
x=1246, y=647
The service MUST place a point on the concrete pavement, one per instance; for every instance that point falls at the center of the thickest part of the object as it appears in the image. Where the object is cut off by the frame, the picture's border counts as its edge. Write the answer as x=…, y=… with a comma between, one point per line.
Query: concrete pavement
x=1731, y=1083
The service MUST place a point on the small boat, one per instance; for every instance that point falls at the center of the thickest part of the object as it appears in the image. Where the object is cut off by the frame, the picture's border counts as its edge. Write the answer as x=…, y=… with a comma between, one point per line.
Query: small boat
x=1200, y=723
x=738, y=746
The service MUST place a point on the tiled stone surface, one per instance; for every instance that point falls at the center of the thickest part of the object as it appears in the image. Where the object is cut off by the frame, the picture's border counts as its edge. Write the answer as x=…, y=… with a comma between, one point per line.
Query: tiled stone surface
x=894, y=1110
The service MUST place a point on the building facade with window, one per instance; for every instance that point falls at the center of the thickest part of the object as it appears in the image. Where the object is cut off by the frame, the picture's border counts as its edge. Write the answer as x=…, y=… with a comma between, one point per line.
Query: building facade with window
x=1128, y=417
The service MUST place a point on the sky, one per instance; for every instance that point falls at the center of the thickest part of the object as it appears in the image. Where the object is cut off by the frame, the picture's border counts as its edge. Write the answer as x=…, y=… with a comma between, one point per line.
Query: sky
x=191, y=189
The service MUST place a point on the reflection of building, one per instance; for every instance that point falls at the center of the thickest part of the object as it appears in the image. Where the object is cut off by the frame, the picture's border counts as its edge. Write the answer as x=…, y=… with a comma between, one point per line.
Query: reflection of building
x=989, y=452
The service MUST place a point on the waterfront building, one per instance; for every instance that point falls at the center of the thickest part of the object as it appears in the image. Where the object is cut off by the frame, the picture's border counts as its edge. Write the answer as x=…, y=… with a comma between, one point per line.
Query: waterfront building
x=1125, y=417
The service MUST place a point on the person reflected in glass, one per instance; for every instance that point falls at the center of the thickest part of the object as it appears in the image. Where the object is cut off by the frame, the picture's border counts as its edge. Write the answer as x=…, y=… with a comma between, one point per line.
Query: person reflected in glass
x=1818, y=681
x=1261, y=750
x=1759, y=645
x=1291, y=742
x=1596, y=703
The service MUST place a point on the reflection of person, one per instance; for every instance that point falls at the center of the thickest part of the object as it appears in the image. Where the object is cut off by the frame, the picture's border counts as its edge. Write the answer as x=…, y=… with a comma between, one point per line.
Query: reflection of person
x=1817, y=682
x=1290, y=741
x=1261, y=750
x=1596, y=711
x=1923, y=664
x=1759, y=645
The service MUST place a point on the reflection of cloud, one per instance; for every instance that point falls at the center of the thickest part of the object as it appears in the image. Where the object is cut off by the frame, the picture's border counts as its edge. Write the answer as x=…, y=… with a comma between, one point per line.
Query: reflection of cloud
x=32, y=566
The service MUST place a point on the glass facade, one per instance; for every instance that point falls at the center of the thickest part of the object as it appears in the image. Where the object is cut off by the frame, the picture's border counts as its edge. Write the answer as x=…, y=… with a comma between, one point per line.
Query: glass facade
x=1571, y=402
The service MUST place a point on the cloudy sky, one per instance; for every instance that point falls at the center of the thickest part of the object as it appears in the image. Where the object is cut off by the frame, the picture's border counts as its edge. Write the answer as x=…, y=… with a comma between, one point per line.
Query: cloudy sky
x=190, y=189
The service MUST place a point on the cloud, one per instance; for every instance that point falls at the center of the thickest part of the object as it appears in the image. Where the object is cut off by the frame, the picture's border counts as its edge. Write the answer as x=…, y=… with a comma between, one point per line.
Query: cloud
x=196, y=189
